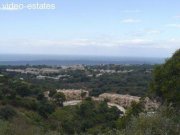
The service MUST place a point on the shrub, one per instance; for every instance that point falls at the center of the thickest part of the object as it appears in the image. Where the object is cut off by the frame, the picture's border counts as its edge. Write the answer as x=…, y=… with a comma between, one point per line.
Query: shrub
x=166, y=80
x=45, y=108
x=59, y=98
x=162, y=122
x=7, y=112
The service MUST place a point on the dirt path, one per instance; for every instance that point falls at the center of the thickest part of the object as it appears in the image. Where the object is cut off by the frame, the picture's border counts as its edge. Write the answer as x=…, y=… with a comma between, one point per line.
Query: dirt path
x=75, y=102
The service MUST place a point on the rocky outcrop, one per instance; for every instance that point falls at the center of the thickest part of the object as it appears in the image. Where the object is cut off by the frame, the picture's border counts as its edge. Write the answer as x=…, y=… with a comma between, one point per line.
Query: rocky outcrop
x=150, y=105
x=122, y=100
x=72, y=94
x=117, y=99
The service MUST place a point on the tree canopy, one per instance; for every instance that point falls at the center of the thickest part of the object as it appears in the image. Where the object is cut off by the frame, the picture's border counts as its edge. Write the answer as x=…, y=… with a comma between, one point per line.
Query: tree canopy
x=166, y=80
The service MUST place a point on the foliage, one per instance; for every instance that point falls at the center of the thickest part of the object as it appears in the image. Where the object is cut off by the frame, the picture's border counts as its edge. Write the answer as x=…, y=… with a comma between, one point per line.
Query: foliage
x=7, y=112
x=59, y=98
x=52, y=92
x=22, y=88
x=87, y=117
x=28, y=103
x=133, y=111
x=31, y=113
x=166, y=80
x=41, y=97
x=160, y=123
x=45, y=108
x=133, y=83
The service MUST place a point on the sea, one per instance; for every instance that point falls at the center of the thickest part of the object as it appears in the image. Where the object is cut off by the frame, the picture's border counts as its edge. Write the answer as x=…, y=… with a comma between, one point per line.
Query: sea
x=16, y=59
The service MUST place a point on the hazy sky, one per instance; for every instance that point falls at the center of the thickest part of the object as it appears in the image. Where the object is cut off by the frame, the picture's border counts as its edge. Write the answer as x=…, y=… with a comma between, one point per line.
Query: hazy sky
x=149, y=28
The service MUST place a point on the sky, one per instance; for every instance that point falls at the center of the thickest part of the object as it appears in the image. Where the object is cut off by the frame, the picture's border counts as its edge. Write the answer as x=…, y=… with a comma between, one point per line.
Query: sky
x=132, y=28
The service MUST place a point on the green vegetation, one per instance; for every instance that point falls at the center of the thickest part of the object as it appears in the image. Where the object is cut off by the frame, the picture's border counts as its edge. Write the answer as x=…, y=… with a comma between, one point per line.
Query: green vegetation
x=59, y=98
x=35, y=111
x=165, y=121
x=7, y=112
x=166, y=80
x=90, y=117
x=25, y=111
x=131, y=79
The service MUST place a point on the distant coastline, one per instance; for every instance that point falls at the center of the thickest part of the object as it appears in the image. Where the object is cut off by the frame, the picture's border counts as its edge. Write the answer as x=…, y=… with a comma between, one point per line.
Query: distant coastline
x=74, y=60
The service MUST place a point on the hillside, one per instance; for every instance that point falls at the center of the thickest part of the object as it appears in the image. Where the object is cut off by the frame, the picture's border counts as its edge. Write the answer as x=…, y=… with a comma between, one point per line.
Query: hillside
x=25, y=110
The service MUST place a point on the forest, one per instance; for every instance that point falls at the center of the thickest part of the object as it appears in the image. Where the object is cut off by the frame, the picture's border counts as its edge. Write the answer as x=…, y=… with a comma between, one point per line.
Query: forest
x=122, y=79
